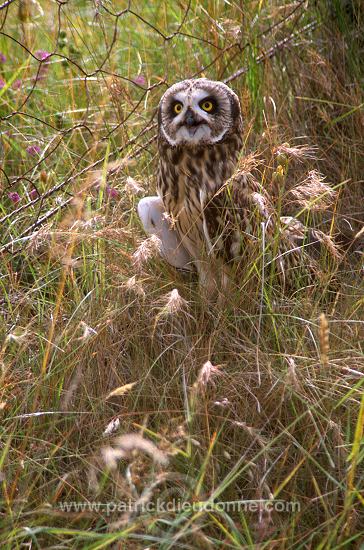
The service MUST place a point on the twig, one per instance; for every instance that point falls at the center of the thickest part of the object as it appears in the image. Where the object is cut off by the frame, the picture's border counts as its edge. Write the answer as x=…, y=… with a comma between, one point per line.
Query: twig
x=260, y=59
x=274, y=49
x=7, y=247
x=6, y=4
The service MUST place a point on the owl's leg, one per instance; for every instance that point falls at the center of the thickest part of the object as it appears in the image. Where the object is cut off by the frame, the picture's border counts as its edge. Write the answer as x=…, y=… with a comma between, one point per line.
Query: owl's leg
x=152, y=215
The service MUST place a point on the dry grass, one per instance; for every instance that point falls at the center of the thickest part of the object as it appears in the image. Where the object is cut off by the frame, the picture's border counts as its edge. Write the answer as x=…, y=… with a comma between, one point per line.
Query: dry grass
x=121, y=383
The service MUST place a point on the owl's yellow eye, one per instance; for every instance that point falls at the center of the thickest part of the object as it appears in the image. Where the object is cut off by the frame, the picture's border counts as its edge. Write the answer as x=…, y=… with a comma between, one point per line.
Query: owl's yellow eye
x=177, y=108
x=207, y=106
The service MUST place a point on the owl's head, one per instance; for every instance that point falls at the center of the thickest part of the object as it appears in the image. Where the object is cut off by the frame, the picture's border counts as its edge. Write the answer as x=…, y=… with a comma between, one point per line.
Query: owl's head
x=198, y=112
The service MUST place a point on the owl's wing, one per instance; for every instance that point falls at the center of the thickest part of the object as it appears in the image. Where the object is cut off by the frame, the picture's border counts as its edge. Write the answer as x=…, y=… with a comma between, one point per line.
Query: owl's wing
x=233, y=215
x=240, y=221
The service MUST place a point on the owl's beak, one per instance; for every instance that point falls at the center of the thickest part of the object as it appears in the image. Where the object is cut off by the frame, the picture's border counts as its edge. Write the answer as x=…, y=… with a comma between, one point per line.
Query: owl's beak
x=190, y=119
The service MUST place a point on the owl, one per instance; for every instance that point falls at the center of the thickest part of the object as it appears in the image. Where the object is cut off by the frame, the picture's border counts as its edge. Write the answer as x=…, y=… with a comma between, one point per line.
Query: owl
x=199, y=141
x=213, y=210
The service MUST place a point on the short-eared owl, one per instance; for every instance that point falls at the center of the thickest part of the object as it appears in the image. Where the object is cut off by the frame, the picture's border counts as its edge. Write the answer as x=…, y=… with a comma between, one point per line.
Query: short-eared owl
x=214, y=210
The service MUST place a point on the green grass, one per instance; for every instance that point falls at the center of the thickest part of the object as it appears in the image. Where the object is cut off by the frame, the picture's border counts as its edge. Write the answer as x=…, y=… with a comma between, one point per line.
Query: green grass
x=281, y=415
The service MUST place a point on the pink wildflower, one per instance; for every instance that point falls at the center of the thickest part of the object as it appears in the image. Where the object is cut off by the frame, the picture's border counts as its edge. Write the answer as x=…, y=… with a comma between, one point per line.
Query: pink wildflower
x=14, y=197
x=33, y=150
x=42, y=55
x=140, y=80
x=112, y=192
x=17, y=84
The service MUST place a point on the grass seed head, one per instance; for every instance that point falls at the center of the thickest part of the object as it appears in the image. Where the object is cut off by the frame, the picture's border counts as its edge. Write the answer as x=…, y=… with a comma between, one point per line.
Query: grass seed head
x=134, y=286
x=174, y=302
x=132, y=186
x=313, y=193
x=298, y=152
x=148, y=249
x=207, y=374
x=126, y=446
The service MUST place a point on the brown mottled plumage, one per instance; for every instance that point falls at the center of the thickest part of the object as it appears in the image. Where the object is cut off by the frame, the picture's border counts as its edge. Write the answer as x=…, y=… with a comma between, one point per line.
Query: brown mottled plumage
x=198, y=152
x=216, y=209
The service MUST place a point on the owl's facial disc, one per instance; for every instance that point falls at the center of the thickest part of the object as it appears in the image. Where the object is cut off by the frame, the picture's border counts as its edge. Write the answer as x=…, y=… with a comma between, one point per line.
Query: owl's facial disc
x=196, y=112
x=193, y=117
x=190, y=123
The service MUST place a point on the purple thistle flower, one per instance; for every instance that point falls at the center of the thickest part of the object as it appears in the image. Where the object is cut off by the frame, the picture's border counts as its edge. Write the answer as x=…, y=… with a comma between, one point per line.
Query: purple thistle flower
x=33, y=194
x=112, y=192
x=14, y=197
x=17, y=84
x=2, y=58
x=42, y=55
x=2, y=83
x=140, y=80
x=33, y=150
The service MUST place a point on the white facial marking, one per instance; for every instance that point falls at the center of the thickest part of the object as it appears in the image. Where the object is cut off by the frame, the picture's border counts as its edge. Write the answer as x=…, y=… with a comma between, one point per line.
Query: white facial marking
x=168, y=137
x=193, y=135
x=219, y=136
